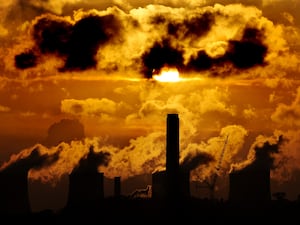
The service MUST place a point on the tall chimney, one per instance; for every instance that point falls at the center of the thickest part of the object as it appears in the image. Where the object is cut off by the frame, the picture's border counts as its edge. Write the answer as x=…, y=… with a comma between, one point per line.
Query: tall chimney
x=173, y=183
x=172, y=156
x=172, y=161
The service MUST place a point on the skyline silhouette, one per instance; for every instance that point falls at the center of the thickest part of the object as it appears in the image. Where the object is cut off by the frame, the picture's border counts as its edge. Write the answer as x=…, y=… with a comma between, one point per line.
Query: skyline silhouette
x=169, y=190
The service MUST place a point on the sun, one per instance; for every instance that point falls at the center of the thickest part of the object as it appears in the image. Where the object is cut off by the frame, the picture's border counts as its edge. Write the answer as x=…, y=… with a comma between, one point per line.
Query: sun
x=167, y=75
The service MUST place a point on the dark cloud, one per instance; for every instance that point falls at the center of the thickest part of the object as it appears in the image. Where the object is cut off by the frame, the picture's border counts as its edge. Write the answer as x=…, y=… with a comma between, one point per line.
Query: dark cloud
x=65, y=130
x=88, y=34
x=201, y=61
x=160, y=55
x=26, y=60
x=34, y=160
x=245, y=53
x=178, y=43
x=192, y=28
x=158, y=19
x=249, y=51
x=77, y=44
x=91, y=162
x=52, y=35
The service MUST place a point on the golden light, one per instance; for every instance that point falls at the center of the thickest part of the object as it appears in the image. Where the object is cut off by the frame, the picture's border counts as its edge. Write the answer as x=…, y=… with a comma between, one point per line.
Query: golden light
x=167, y=75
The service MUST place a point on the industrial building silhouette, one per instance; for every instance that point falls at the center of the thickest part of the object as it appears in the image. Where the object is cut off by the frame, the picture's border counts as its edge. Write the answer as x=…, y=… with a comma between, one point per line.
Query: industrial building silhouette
x=251, y=184
x=14, y=192
x=86, y=184
x=86, y=187
x=14, y=196
x=170, y=201
x=250, y=187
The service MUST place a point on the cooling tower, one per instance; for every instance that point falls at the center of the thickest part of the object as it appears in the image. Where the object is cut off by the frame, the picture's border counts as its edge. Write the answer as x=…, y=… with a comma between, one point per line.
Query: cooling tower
x=249, y=187
x=85, y=189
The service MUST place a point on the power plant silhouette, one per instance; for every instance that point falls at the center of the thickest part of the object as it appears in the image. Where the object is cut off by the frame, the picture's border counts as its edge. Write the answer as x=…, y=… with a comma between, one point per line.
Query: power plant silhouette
x=86, y=184
x=14, y=197
x=250, y=187
x=86, y=187
x=14, y=192
x=170, y=191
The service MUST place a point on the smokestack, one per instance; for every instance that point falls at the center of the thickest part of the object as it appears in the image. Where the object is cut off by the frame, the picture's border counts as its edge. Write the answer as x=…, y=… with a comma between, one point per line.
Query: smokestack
x=117, y=187
x=172, y=161
x=173, y=183
x=172, y=156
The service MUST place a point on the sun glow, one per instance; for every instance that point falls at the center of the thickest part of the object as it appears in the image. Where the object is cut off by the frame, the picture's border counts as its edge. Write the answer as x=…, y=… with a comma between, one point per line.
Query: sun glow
x=167, y=75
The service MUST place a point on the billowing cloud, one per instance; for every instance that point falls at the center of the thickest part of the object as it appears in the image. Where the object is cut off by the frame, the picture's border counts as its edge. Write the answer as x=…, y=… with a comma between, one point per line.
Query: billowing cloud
x=260, y=156
x=66, y=130
x=91, y=162
x=289, y=156
x=4, y=108
x=34, y=158
x=54, y=6
x=160, y=55
x=249, y=113
x=103, y=108
x=207, y=100
x=223, y=148
x=278, y=153
x=220, y=40
x=50, y=164
x=288, y=115
x=144, y=154
x=78, y=43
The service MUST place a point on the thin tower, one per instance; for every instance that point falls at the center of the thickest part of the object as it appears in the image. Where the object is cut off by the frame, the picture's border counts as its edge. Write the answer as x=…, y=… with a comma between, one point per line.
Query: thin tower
x=172, y=156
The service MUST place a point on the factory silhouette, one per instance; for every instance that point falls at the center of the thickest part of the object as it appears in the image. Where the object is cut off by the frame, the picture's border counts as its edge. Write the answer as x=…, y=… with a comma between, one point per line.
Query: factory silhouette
x=167, y=199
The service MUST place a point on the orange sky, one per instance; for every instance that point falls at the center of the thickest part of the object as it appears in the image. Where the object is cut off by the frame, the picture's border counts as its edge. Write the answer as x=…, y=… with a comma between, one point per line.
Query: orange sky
x=82, y=71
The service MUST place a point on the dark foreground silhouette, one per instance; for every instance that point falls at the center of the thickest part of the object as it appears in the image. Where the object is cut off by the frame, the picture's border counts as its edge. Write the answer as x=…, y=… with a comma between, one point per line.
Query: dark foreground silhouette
x=150, y=211
x=170, y=202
